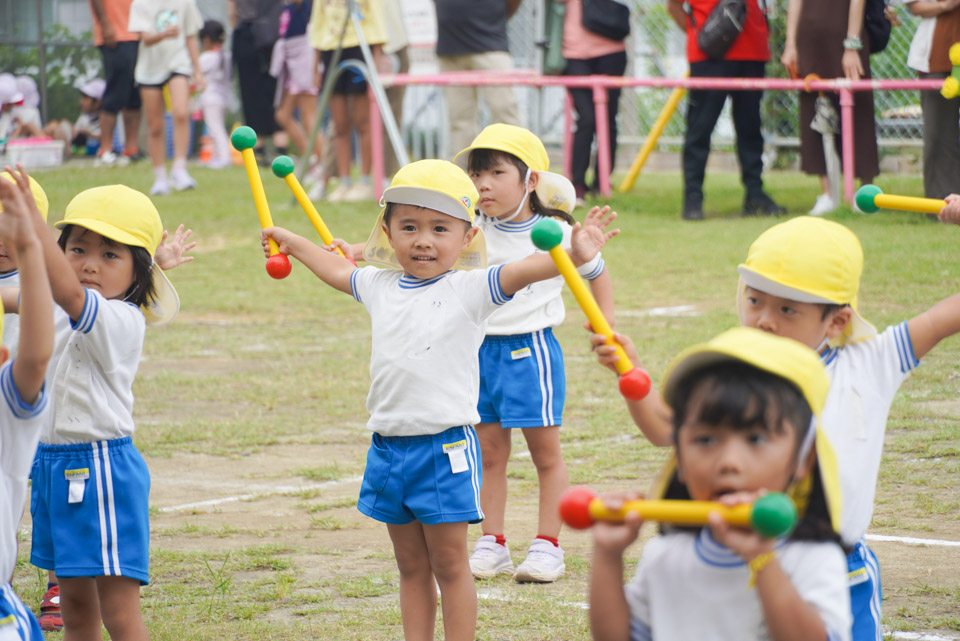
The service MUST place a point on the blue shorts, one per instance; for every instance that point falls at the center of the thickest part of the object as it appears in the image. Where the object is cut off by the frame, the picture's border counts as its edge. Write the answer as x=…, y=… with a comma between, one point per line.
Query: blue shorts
x=16, y=621
x=90, y=508
x=522, y=383
x=863, y=573
x=432, y=479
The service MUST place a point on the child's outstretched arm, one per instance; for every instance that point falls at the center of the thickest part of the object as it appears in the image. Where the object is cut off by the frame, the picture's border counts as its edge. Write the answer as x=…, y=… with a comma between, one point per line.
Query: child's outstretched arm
x=651, y=414
x=171, y=255
x=35, y=307
x=943, y=319
x=68, y=293
x=609, y=610
x=585, y=243
x=328, y=266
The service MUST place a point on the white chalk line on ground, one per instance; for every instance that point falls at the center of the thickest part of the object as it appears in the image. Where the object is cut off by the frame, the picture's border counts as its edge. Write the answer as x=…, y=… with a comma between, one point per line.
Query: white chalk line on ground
x=914, y=636
x=912, y=540
x=260, y=493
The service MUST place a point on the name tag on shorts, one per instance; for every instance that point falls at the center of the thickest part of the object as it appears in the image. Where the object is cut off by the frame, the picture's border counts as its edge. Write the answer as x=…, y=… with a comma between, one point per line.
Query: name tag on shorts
x=458, y=456
x=517, y=354
x=77, y=479
x=857, y=577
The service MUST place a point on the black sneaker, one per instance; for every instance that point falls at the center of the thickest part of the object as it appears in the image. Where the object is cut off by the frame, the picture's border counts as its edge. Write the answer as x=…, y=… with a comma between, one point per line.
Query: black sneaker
x=692, y=213
x=762, y=205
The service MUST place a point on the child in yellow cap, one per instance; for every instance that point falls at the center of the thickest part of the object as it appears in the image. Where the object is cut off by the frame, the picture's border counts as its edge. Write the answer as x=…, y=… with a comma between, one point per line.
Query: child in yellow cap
x=522, y=382
x=428, y=318
x=25, y=405
x=89, y=483
x=745, y=410
x=801, y=280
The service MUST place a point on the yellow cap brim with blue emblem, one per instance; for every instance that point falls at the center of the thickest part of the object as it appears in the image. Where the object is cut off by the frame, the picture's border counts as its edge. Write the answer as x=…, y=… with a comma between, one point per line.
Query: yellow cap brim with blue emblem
x=783, y=357
x=808, y=260
x=127, y=216
x=433, y=184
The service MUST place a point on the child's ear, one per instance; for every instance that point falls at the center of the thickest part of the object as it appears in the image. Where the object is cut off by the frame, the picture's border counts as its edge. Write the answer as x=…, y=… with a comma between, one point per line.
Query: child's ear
x=839, y=321
x=468, y=237
x=534, y=179
x=386, y=230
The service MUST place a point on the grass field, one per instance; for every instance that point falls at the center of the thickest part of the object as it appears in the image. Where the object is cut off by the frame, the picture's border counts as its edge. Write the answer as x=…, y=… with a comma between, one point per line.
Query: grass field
x=250, y=413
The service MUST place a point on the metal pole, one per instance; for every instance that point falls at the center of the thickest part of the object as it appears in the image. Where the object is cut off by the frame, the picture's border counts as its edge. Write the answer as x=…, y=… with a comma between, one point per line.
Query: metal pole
x=43, y=62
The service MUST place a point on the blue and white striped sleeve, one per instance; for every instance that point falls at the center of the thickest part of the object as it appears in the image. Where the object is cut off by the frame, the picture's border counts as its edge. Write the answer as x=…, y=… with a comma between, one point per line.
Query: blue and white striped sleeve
x=88, y=316
x=901, y=335
x=19, y=407
x=353, y=285
x=592, y=269
x=496, y=290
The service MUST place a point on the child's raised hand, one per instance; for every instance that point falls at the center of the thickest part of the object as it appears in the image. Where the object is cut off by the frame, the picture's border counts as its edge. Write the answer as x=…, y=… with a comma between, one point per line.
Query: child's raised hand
x=352, y=252
x=592, y=235
x=199, y=81
x=16, y=221
x=614, y=538
x=606, y=354
x=951, y=211
x=284, y=238
x=170, y=255
x=744, y=542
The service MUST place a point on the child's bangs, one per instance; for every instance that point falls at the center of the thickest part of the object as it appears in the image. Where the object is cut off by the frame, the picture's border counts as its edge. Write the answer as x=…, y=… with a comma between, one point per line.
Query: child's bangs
x=742, y=397
x=486, y=159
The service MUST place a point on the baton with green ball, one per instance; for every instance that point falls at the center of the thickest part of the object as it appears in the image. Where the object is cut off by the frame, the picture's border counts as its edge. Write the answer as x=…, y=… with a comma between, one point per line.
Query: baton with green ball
x=282, y=167
x=243, y=140
x=871, y=198
x=771, y=515
x=547, y=236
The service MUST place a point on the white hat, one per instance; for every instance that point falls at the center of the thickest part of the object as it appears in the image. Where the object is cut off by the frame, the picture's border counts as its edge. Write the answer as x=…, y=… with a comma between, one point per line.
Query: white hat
x=94, y=88
x=28, y=89
x=9, y=92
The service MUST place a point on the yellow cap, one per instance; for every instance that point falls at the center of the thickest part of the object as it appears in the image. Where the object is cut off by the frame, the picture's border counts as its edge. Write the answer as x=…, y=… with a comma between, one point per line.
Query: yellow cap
x=518, y=141
x=555, y=191
x=38, y=194
x=126, y=216
x=809, y=260
x=783, y=357
x=434, y=184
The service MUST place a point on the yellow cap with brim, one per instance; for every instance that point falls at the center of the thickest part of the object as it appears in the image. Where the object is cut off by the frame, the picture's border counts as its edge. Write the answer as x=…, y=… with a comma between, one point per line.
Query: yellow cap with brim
x=781, y=357
x=126, y=216
x=809, y=260
x=555, y=191
x=39, y=195
x=433, y=184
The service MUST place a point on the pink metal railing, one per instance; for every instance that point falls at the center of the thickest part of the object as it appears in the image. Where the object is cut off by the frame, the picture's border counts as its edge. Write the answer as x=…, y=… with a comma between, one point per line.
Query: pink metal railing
x=599, y=85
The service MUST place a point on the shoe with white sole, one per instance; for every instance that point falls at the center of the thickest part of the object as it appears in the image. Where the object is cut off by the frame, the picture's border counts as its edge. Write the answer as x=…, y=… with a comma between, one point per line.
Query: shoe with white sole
x=490, y=558
x=337, y=195
x=358, y=192
x=824, y=205
x=182, y=180
x=544, y=563
x=160, y=188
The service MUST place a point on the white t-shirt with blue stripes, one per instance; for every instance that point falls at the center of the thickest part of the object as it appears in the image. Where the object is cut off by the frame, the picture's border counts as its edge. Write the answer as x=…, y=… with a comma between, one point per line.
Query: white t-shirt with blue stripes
x=864, y=377
x=538, y=305
x=688, y=586
x=20, y=425
x=426, y=336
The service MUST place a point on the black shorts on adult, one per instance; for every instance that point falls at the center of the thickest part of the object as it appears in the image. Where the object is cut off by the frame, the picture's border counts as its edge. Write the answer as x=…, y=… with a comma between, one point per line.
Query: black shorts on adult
x=349, y=81
x=118, y=65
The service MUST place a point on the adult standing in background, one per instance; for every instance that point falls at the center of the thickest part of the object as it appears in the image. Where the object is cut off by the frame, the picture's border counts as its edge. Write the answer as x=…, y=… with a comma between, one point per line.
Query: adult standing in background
x=746, y=58
x=928, y=54
x=472, y=36
x=826, y=37
x=588, y=54
x=256, y=26
x=118, y=48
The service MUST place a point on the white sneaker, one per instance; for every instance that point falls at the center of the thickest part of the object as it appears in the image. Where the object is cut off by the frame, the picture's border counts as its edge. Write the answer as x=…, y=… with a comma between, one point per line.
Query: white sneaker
x=490, y=558
x=182, y=180
x=544, y=563
x=824, y=205
x=337, y=195
x=358, y=192
x=160, y=188
x=110, y=158
x=317, y=190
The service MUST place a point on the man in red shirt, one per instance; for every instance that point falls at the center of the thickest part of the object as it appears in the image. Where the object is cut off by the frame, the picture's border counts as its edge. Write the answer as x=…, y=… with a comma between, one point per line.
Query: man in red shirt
x=746, y=58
